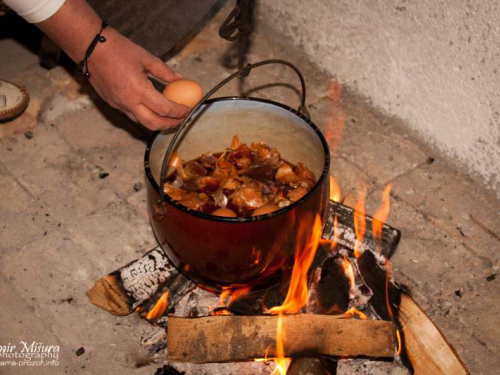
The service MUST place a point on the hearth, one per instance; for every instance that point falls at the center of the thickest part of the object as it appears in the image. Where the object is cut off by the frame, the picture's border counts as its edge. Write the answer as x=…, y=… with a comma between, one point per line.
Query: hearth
x=354, y=309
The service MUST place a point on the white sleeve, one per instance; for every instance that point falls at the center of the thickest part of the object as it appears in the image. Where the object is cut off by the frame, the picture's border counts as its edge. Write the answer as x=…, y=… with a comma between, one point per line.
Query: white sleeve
x=34, y=11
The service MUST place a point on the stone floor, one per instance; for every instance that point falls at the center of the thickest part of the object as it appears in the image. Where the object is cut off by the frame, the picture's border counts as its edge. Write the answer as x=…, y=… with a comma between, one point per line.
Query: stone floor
x=69, y=212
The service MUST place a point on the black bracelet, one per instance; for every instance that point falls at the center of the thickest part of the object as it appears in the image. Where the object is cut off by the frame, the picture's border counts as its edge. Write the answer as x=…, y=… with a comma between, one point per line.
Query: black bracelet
x=98, y=38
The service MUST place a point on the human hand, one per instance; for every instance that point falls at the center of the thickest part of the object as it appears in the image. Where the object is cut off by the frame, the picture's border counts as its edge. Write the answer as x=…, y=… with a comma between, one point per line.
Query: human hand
x=118, y=70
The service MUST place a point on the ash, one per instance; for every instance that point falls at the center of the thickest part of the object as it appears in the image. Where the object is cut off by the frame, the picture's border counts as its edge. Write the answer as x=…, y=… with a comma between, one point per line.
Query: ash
x=367, y=367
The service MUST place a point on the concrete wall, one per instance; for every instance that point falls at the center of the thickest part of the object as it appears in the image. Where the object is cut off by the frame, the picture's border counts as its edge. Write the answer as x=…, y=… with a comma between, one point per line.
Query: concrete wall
x=432, y=63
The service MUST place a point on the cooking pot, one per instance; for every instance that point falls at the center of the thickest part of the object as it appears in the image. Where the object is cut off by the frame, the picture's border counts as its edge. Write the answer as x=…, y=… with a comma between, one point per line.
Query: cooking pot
x=217, y=251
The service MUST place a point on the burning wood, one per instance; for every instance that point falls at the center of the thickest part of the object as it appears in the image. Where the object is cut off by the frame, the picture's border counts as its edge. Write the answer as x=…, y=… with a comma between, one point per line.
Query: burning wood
x=333, y=288
x=382, y=213
x=377, y=280
x=346, y=236
x=239, y=338
x=123, y=290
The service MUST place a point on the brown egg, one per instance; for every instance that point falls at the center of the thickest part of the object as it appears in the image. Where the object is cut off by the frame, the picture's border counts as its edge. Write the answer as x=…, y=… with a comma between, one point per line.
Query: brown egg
x=226, y=212
x=265, y=209
x=184, y=91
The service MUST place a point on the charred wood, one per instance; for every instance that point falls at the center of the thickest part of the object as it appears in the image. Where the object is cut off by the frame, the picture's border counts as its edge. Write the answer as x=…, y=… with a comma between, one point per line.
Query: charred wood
x=168, y=370
x=121, y=291
x=386, y=295
x=333, y=287
x=346, y=236
x=375, y=278
x=177, y=288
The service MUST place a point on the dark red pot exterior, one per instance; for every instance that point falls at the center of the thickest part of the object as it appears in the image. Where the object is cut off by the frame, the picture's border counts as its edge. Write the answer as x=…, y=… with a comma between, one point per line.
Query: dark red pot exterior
x=217, y=253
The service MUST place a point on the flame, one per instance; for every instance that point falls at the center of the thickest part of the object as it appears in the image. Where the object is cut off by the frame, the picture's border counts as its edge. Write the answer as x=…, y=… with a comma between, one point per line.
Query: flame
x=281, y=363
x=157, y=311
x=398, y=336
x=335, y=230
x=382, y=213
x=226, y=293
x=218, y=313
x=298, y=292
x=332, y=243
x=175, y=160
x=231, y=294
x=360, y=219
x=336, y=121
x=354, y=311
x=335, y=194
x=388, y=274
x=349, y=272
x=265, y=359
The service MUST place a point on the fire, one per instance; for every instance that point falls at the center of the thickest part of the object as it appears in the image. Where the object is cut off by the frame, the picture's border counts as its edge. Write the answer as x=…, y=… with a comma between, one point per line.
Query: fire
x=382, y=213
x=354, y=311
x=231, y=294
x=298, y=292
x=360, y=219
x=335, y=194
x=265, y=359
x=349, y=272
x=157, y=311
x=398, y=336
x=226, y=293
x=388, y=267
x=335, y=229
x=334, y=241
x=281, y=363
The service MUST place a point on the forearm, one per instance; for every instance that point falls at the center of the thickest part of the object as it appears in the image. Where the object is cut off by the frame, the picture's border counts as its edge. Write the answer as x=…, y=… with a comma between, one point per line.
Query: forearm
x=73, y=27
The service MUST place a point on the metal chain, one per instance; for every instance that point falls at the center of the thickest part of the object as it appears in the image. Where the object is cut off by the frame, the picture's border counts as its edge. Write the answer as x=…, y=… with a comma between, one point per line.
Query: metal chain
x=237, y=27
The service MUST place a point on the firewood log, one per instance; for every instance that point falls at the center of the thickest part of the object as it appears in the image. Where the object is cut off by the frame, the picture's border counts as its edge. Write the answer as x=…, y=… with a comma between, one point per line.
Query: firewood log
x=428, y=350
x=238, y=338
x=121, y=291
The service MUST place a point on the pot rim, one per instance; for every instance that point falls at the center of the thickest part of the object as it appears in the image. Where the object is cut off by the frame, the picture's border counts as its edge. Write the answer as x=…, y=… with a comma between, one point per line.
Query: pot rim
x=324, y=174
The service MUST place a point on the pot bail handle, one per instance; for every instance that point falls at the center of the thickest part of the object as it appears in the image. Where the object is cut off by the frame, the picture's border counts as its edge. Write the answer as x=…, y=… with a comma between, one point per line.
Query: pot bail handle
x=302, y=110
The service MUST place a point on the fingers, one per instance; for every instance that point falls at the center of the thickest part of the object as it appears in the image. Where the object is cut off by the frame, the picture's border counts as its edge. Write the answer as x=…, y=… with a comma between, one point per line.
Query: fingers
x=159, y=69
x=162, y=106
x=153, y=121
